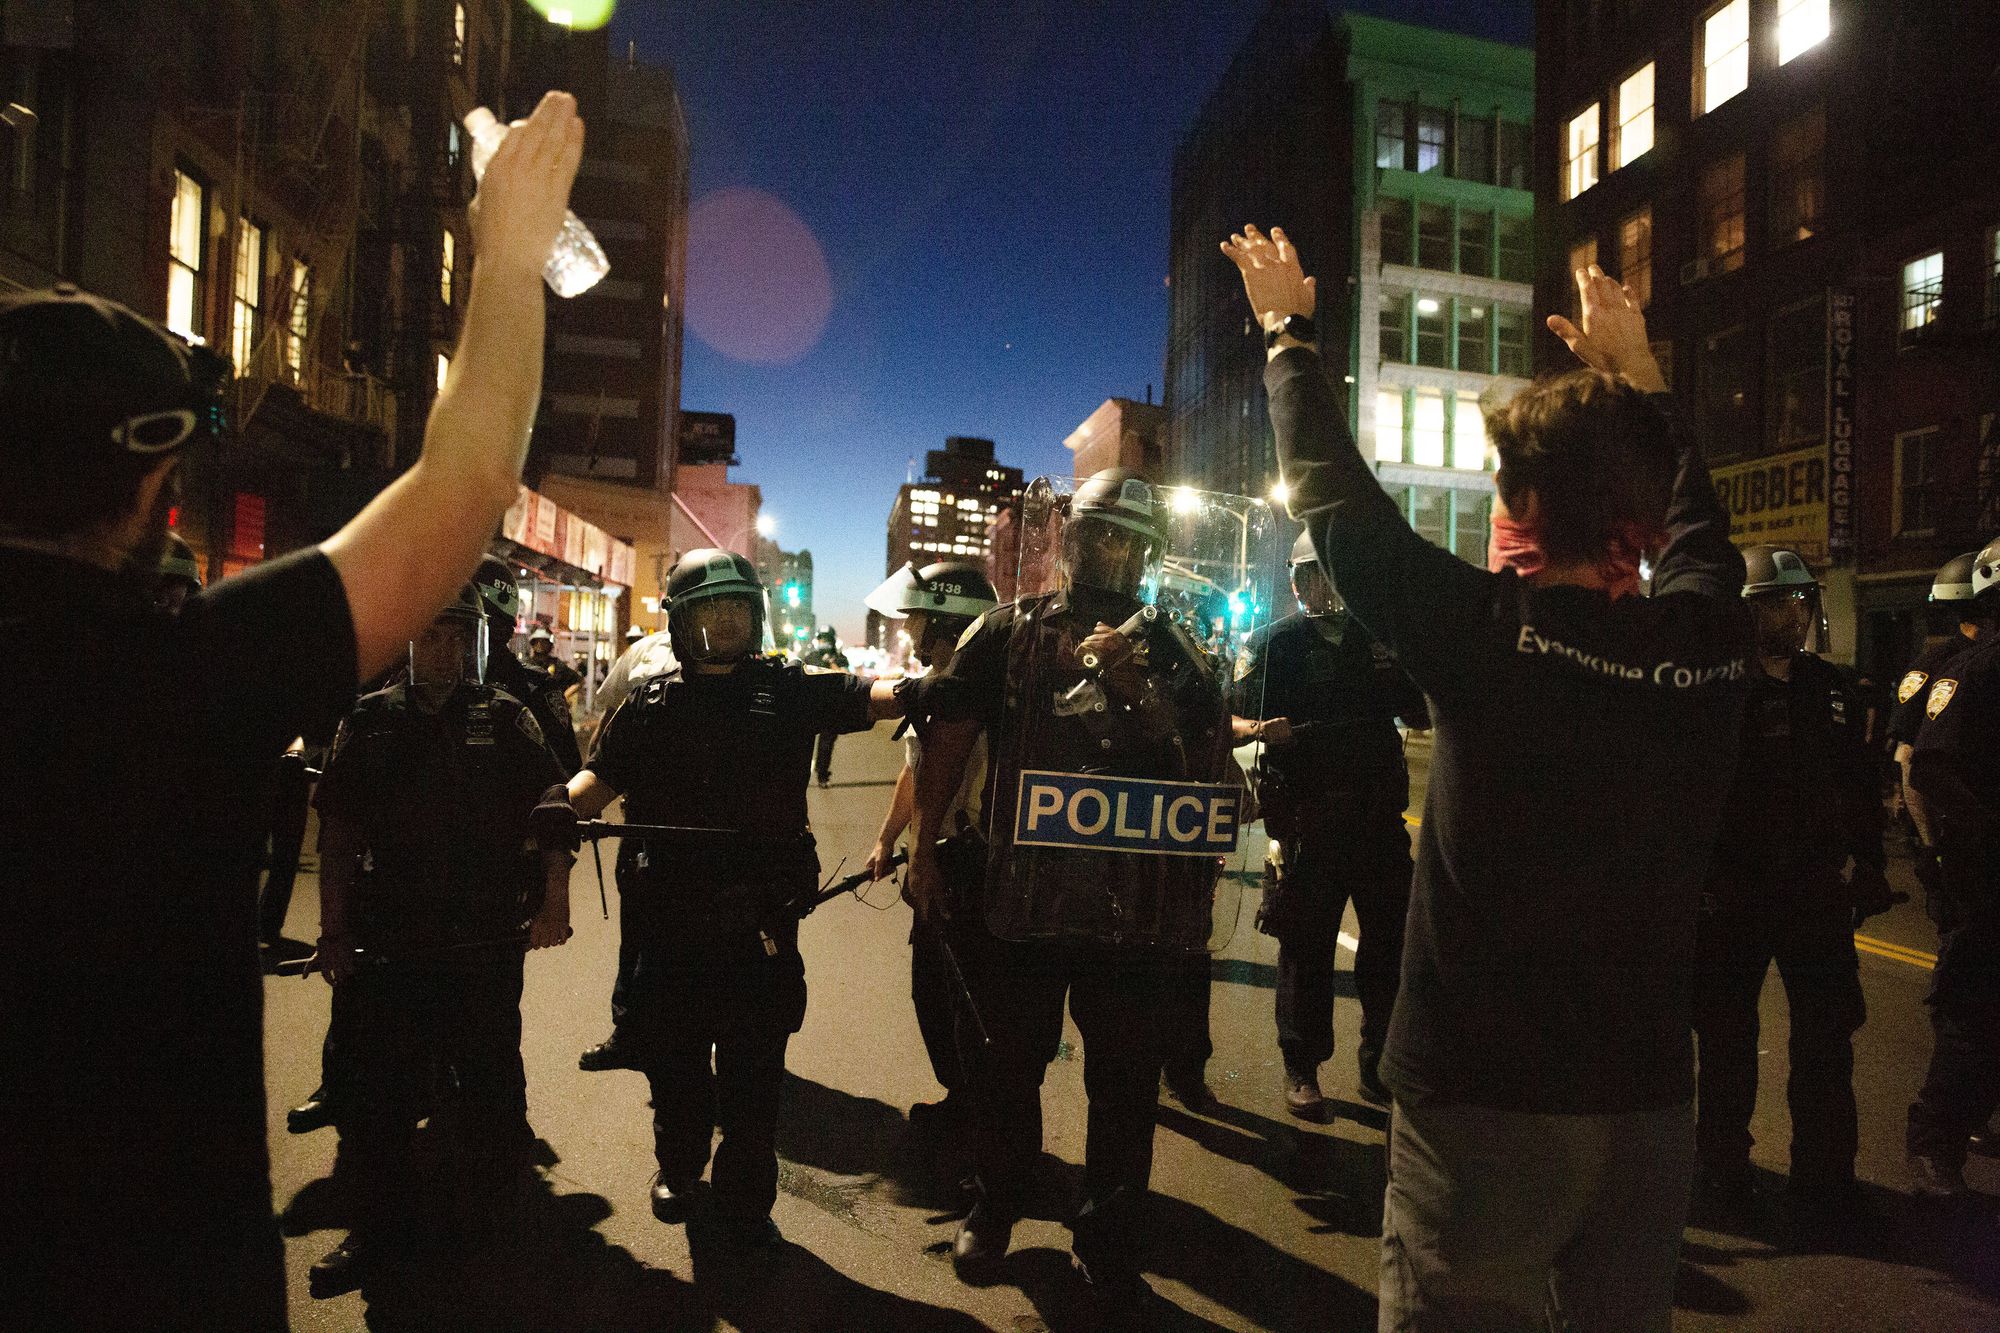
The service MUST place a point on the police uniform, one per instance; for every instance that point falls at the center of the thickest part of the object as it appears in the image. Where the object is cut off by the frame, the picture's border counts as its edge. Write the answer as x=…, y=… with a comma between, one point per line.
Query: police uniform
x=565, y=676
x=933, y=991
x=1805, y=799
x=1333, y=800
x=1106, y=930
x=1962, y=734
x=447, y=878
x=1906, y=719
x=543, y=695
x=827, y=656
x=713, y=922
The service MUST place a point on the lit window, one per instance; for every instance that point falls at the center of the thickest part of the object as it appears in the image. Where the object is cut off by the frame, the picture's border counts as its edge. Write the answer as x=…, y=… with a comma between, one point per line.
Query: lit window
x=1433, y=128
x=1635, y=255
x=1725, y=54
x=1427, y=429
x=1468, y=434
x=1389, y=426
x=444, y=270
x=1581, y=256
x=184, y=255
x=1433, y=332
x=299, y=325
x=249, y=286
x=458, y=35
x=1475, y=339
x=1923, y=296
x=1802, y=25
x=1634, y=109
x=1391, y=133
x=444, y=367
x=1919, y=482
x=1722, y=215
x=1580, y=152
x=1798, y=183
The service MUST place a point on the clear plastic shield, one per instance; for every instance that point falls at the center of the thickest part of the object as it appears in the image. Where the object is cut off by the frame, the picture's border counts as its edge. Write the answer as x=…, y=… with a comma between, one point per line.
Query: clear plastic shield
x=1119, y=807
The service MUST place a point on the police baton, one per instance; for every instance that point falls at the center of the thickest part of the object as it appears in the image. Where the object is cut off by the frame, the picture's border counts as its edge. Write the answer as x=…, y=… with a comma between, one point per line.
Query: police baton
x=593, y=830
x=845, y=886
x=299, y=967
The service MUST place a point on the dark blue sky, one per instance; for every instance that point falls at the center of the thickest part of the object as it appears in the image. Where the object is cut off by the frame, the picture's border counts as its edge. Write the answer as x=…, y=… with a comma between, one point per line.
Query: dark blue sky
x=987, y=183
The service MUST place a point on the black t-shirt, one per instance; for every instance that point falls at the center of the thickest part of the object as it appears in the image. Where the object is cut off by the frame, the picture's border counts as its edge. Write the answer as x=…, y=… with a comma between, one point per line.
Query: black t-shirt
x=1805, y=797
x=1584, y=747
x=139, y=749
x=441, y=802
x=1340, y=684
x=1913, y=687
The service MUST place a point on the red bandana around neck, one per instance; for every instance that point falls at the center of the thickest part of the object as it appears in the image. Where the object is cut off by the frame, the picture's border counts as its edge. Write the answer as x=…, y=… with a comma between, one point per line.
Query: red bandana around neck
x=1518, y=546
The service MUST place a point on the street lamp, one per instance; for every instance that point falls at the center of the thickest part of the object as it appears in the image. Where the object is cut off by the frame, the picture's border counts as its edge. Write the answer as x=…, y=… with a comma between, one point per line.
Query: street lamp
x=764, y=527
x=1281, y=494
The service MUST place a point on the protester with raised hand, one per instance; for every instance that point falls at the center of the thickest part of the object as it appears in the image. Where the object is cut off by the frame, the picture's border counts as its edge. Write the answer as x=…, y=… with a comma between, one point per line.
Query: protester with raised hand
x=132, y=1120
x=1541, y=1147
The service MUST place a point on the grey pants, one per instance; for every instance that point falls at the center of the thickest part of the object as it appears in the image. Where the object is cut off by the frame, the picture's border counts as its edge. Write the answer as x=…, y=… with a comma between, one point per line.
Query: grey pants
x=1501, y=1220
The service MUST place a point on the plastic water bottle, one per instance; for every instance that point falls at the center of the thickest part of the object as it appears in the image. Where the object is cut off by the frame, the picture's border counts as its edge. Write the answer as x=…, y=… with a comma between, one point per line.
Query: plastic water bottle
x=577, y=262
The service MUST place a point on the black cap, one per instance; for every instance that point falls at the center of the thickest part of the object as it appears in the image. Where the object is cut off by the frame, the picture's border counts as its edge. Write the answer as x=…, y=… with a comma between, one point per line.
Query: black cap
x=75, y=368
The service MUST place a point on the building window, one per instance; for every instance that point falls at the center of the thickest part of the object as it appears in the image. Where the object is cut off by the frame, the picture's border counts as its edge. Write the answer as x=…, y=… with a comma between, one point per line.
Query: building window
x=1798, y=183
x=1993, y=277
x=1475, y=242
x=1798, y=386
x=1581, y=256
x=1475, y=149
x=298, y=326
x=454, y=145
x=1475, y=339
x=185, y=235
x=458, y=36
x=1433, y=332
x=1517, y=152
x=1633, y=110
x=1471, y=511
x=446, y=257
x=443, y=368
x=1722, y=394
x=248, y=296
x=1919, y=481
x=1515, y=236
x=1468, y=434
x=1722, y=215
x=1580, y=152
x=1389, y=426
x=1395, y=231
x=1433, y=135
x=1510, y=336
x=1802, y=25
x=1725, y=54
x=1427, y=429
x=1434, y=237
x=1923, y=296
x=1395, y=326
x=1392, y=133
x=1635, y=255
x=1430, y=514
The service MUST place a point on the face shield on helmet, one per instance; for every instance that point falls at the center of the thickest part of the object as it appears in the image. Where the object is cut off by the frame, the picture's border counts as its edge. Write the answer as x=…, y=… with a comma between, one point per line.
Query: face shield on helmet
x=1114, y=540
x=936, y=602
x=715, y=608
x=1784, y=602
x=1312, y=584
x=452, y=649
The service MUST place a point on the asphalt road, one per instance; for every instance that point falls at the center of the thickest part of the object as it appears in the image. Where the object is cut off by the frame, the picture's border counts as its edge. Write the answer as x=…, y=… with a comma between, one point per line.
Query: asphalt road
x=1264, y=1222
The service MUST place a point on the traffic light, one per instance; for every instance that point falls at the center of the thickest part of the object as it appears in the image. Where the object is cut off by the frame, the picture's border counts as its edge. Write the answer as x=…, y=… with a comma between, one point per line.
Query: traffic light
x=792, y=594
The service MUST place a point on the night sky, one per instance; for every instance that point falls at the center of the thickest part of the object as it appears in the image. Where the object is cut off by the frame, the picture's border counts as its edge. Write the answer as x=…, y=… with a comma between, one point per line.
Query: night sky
x=912, y=221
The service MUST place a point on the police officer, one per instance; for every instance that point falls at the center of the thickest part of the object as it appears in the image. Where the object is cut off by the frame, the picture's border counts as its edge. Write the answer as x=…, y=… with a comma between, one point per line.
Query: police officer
x=1951, y=591
x=180, y=576
x=543, y=695
x=430, y=891
x=542, y=657
x=825, y=654
x=1323, y=696
x=1110, y=931
x=1804, y=803
x=936, y=605
x=721, y=742
x=1955, y=770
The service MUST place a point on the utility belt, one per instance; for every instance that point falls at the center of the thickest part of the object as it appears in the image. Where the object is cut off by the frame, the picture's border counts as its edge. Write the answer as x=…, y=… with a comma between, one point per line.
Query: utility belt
x=702, y=888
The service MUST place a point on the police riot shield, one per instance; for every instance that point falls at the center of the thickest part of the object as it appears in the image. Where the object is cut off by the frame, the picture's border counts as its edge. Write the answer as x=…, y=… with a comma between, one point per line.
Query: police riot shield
x=1118, y=804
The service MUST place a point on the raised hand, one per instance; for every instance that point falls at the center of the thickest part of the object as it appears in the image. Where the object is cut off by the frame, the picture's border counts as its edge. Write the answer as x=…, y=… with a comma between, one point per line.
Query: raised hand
x=525, y=189
x=1272, y=278
x=1613, y=335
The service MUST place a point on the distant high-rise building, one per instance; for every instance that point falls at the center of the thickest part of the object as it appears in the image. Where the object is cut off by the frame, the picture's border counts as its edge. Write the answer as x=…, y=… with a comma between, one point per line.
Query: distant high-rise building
x=1121, y=433
x=788, y=582
x=951, y=514
x=1402, y=159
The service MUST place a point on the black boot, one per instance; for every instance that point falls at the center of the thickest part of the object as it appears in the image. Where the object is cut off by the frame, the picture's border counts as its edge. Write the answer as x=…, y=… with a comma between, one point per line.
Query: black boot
x=981, y=1245
x=341, y=1269
x=675, y=1201
x=607, y=1054
x=315, y=1112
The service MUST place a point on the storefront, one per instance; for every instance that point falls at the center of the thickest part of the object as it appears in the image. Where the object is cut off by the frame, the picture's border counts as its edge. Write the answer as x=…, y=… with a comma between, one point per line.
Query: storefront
x=574, y=579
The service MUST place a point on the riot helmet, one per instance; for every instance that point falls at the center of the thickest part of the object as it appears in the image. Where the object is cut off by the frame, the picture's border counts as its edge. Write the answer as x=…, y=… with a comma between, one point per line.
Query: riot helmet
x=180, y=575
x=1312, y=581
x=1116, y=536
x=715, y=608
x=1784, y=601
x=1953, y=582
x=633, y=634
x=1986, y=577
x=452, y=648
x=541, y=644
x=939, y=601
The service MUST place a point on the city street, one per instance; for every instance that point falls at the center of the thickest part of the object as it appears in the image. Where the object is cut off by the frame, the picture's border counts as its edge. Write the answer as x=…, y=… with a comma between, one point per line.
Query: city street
x=1264, y=1222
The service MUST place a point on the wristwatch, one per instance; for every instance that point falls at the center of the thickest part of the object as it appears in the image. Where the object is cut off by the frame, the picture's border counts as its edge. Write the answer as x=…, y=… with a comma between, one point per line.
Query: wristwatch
x=1300, y=327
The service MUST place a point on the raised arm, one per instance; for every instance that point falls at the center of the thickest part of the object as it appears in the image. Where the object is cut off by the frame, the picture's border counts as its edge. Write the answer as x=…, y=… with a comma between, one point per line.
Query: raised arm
x=418, y=541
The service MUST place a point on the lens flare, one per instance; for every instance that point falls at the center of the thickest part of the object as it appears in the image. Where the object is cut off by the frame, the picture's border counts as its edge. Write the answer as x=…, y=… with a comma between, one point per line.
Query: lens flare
x=582, y=15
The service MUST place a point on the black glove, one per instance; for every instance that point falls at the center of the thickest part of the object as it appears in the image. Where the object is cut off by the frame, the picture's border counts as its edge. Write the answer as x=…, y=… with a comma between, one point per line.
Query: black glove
x=1869, y=892
x=553, y=823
